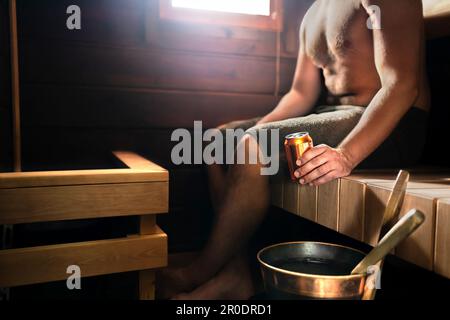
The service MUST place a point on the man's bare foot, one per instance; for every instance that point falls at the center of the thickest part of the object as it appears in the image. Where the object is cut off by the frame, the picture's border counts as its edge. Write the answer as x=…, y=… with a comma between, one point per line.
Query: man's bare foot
x=173, y=281
x=234, y=282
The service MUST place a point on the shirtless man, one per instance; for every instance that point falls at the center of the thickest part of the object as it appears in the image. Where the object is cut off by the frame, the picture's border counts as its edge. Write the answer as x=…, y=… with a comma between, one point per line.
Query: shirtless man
x=378, y=70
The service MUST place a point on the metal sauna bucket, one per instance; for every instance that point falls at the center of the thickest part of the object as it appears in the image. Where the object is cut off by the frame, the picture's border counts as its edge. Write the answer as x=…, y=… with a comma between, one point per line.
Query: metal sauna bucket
x=311, y=270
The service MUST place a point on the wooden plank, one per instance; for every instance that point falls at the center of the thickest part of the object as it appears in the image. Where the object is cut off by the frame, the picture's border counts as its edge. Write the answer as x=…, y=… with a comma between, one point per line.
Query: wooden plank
x=442, y=184
x=291, y=193
x=328, y=204
x=431, y=193
x=49, y=263
x=80, y=177
x=375, y=177
x=307, y=207
x=137, y=108
x=25, y=205
x=351, y=208
x=442, y=244
x=93, y=65
x=218, y=39
x=375, y=204
x=147, y=285
x=15, y=86
x=137, y=162
x=419, y=247
x=147, y=224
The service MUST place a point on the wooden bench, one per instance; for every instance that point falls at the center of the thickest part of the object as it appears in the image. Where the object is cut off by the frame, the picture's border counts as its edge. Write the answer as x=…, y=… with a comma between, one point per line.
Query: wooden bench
x=354, y=206
x=141, y=189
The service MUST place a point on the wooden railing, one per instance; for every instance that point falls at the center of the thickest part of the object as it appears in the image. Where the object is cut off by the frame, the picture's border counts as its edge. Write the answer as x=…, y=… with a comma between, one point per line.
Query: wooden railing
x=141, y=189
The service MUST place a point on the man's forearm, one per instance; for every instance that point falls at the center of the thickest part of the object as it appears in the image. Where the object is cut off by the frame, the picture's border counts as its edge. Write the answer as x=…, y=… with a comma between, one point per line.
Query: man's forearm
x=379, y=120
x=293, y=104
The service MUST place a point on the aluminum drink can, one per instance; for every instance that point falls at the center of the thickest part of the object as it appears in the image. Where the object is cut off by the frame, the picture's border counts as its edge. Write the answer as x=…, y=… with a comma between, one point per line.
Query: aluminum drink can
x=295, y=145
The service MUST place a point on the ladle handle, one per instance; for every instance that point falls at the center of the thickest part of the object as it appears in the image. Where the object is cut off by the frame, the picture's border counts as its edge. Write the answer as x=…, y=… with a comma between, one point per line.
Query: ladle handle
x=394, y=203
x=401, y=230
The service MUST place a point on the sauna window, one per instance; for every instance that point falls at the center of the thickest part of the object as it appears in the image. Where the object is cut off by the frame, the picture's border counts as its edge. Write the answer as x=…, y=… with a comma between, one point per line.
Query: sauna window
x=259, y=14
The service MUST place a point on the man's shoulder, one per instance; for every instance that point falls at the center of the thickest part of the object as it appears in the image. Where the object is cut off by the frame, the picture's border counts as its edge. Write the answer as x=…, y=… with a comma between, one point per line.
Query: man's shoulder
x=311, y=14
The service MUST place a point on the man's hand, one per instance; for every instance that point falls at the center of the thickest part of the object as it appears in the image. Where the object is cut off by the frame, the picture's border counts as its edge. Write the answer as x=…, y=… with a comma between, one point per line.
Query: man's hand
x=322, y=164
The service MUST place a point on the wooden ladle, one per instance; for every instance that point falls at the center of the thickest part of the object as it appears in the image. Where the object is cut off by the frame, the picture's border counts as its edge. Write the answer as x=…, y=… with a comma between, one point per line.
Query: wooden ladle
x=400, y=231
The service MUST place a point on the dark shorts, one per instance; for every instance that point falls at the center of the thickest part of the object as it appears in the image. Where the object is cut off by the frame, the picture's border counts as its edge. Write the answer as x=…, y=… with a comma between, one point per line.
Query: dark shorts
x=404, y=147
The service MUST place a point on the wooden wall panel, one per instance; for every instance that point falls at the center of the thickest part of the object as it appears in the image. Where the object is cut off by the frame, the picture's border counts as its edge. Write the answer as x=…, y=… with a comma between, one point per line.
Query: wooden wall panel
x=140, y=67
x=136, y=108
x=102, y=21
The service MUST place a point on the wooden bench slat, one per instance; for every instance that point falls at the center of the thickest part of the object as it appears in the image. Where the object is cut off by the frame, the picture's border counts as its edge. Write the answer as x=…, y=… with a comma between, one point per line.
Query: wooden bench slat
x=307, y=207
x=418, y=248
x=442, y=244
x=373, y=177
x=25, y=205
x=351, y=209
x=376, y=201
x=328, y=204
x=49, y=263
x=415, y=185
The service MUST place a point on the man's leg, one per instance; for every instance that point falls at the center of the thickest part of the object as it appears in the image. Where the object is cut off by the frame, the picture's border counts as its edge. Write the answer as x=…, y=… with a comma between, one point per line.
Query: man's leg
x=243, y=207
x=217, y=184
x=217, y=172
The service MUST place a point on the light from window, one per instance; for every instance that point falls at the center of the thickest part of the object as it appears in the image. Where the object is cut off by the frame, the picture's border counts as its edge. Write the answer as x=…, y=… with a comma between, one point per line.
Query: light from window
x=253, y=7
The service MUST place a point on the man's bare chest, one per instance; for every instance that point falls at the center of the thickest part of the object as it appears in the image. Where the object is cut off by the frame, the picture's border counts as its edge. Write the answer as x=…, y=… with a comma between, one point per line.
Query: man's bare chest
x=336, y=29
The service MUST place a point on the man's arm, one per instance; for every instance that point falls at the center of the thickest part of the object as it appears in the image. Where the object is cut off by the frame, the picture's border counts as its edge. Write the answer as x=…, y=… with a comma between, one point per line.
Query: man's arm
x=397, y=49
x=304, y=92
